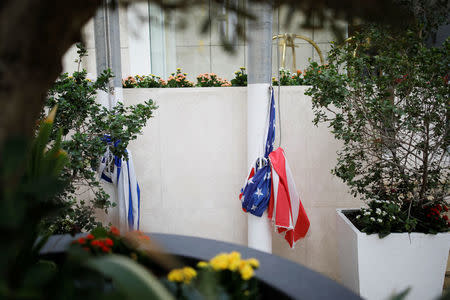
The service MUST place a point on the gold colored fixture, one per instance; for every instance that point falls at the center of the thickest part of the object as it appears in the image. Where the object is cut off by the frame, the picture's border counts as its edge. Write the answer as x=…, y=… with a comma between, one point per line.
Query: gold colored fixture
x=288, y=40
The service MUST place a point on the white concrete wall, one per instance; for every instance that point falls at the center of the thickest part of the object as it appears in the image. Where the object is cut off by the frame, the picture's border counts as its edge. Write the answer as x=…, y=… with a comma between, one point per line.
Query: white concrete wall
x=191, y=163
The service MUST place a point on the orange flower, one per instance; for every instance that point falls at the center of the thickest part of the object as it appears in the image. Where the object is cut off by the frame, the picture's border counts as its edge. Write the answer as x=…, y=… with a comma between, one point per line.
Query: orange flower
x=109, y=242
x=114, y=230
x=144, y=238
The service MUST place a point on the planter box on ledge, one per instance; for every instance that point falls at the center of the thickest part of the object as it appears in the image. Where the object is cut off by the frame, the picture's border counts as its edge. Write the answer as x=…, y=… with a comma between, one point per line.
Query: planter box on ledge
x=377, y=268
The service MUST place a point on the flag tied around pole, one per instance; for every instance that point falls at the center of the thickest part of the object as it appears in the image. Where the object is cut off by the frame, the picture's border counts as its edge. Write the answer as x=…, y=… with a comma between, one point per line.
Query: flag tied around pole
x=270, y=185
x=120, y=172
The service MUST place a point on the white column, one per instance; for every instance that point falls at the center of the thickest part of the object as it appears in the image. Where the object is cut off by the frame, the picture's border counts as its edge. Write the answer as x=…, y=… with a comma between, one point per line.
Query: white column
x=259, y=79
x=157, y=41
x=139, y=39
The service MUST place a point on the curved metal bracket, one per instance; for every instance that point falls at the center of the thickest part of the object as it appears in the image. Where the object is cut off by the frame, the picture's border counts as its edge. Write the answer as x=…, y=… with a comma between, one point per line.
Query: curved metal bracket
x=288, y=40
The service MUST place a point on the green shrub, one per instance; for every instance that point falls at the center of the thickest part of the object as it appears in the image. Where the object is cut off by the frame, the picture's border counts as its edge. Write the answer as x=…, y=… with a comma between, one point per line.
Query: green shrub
x=84, y=123
x=385, y=96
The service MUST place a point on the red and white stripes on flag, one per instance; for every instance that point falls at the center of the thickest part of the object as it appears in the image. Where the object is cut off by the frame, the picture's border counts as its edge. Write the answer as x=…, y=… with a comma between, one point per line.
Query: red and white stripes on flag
x=285, y=207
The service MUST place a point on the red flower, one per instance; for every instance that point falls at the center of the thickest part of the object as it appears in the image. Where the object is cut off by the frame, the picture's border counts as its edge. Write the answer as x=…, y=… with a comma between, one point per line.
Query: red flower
x=90, y=237
x=439, y=207
x=109, y=242
x=105, y=249
x=445, y=208
x=114, y=230
x=445, y=218
x=95, y=243
x=144, y=238
x=86, y=249
x=81, y=241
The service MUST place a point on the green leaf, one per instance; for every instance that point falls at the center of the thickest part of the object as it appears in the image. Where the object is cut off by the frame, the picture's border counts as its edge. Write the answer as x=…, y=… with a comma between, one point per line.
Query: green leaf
x=99, y=232
x=131, y=278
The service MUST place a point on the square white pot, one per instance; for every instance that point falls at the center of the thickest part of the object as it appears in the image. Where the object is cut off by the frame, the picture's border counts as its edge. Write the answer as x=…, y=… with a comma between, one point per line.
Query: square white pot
x=376, y=268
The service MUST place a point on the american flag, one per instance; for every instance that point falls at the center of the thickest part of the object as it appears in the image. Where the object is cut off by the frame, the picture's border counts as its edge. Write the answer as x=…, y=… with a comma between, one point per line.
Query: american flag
x=255, y=195
x=271, y=186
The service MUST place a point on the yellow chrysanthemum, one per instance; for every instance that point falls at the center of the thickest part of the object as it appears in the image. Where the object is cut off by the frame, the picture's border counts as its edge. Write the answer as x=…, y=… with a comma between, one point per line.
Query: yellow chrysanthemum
x=246, y=271
x=234, y=261
x=253, y=262
x=219, y=262
x=176, y=275
x=184, y=275
x=234, y=264
x=202, y=264
x=189, y=273
x=235, y=255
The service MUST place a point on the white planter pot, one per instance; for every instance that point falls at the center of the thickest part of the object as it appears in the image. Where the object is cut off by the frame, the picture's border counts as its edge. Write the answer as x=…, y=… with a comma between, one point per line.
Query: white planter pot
x=376, y=268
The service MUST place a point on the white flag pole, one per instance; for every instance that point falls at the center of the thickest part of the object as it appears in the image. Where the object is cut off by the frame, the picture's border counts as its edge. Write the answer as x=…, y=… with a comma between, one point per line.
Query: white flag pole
x=259, y=59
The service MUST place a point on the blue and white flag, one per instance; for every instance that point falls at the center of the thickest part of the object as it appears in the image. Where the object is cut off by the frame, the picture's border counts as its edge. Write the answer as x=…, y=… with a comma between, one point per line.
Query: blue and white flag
x=120, y=172
x=255, y=195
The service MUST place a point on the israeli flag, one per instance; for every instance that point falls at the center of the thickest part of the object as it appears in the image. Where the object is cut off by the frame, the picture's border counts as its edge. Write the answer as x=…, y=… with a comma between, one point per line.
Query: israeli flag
x=120, y=172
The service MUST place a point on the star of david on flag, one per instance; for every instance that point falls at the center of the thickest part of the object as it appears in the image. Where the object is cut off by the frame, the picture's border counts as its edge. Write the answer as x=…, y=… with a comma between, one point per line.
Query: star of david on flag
x=270, y=185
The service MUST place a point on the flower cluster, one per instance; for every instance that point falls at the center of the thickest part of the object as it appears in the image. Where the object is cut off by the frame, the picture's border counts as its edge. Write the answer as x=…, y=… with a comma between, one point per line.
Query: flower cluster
x=211, y=80
x=144, y=81
x=95, y=245
x=297, y=78
x=104, y=241
x=233, y=275
x=232, y=262
x=435, y=217
x=379, y=216
x=436, y=212
x=179, y=79
x=387, y=216
x=129, y=82
x=183, y=275
x=240, y=78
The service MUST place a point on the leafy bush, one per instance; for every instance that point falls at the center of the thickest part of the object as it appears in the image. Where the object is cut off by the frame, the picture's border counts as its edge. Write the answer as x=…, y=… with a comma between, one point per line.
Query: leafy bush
x=30, y=181
x=385, y=96
x=84, y=123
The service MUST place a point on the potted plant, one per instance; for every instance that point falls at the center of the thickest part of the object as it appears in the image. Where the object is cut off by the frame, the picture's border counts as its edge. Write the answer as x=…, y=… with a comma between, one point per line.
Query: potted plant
x=385, y=96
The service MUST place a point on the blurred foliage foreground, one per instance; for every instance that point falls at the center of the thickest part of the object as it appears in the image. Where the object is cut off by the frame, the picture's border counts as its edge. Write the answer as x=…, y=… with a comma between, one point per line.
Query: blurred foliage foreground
x=101, y=265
